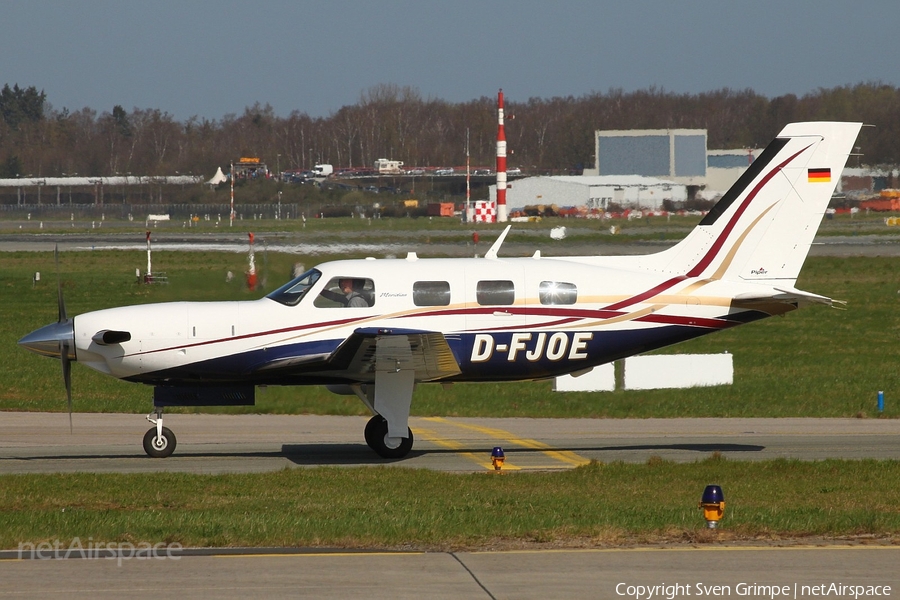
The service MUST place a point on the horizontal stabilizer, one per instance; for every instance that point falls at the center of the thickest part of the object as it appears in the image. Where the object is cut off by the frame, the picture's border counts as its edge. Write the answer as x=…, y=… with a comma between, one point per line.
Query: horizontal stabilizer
x=802, y=298
x=791, y=296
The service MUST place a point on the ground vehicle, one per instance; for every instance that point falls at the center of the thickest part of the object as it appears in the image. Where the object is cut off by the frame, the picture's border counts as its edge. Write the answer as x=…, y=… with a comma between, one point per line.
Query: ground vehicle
x=323, y=170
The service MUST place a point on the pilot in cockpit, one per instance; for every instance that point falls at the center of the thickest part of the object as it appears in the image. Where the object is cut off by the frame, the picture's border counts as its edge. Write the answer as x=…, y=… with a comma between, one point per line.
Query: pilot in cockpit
x=350, y=295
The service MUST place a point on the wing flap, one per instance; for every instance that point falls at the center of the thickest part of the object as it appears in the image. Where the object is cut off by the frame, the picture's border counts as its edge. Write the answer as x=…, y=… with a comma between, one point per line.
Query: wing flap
x=366, y=351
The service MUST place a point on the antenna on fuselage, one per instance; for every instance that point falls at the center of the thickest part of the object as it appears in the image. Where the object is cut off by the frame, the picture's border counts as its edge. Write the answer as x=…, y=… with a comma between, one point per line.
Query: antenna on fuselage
x=492, y=253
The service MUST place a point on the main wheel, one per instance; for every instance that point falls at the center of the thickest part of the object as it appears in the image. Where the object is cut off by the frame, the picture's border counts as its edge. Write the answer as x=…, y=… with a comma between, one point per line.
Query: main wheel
x=159, y=447
x=376, y=437
x=372, y=427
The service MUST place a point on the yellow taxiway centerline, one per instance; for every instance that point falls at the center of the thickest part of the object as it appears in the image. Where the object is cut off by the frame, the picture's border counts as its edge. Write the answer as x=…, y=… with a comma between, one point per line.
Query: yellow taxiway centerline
x=566, y=456
x=432, y=436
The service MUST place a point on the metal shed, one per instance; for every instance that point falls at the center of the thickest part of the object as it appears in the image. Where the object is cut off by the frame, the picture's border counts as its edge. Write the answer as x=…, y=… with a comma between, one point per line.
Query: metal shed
x=593, y=192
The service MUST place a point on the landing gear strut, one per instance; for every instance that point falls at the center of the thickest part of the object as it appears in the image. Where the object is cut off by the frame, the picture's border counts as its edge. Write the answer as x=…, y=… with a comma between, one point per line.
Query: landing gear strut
x=159, y=441
x=376, y=434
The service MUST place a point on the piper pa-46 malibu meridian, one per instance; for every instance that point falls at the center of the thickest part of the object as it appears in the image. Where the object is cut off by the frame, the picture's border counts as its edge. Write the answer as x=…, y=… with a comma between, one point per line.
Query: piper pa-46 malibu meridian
x=376, y=328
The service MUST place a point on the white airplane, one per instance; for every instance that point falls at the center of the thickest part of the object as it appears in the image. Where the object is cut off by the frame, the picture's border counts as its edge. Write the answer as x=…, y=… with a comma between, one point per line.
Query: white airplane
x=376, y=328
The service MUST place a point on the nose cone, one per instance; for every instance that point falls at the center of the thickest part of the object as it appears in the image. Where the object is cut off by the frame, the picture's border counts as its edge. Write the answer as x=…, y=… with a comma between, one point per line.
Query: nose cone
x=50, y=339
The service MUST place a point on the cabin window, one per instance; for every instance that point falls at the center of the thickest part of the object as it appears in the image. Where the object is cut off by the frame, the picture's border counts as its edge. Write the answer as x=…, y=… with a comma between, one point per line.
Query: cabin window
x=347, y=292
x=555, y=292
x=495, y=292
x=431, y=293
x=293, y=291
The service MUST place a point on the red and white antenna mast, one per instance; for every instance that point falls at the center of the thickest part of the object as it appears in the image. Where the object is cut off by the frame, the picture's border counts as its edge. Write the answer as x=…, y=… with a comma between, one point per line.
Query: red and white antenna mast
x=469, y=213
x=501, y=214
x=231, y=214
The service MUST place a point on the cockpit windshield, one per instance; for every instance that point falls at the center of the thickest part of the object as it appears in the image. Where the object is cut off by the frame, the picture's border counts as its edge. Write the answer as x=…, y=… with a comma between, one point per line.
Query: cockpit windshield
x=293, y=291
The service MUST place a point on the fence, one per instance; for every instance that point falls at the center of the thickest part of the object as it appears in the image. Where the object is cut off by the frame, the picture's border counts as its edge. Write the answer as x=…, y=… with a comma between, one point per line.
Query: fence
x=139, y=212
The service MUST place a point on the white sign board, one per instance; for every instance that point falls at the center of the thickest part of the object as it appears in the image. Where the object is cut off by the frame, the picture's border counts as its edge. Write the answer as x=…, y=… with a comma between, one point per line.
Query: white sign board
x=599, y=379
x=678, y=371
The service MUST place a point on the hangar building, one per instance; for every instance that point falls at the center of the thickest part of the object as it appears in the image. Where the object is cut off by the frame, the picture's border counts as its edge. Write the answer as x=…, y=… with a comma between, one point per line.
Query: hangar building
x=593, y=191
x=723, y=167
x=678, y=155
x=639, y=168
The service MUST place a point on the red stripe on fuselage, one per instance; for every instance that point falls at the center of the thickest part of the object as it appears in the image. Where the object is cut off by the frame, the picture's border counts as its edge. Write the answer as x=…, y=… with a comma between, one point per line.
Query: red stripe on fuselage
x=253, y=335
x=688, y=321
x=648, y=294
x=590, y=313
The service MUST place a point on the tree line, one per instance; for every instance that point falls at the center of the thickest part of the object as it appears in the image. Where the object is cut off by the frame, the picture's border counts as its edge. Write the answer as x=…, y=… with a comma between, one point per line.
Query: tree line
x=395, y=122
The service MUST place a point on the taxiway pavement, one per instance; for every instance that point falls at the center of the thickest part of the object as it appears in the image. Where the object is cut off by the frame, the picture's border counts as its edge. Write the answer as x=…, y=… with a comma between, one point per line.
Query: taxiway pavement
x=41, y=442
x=709, y=572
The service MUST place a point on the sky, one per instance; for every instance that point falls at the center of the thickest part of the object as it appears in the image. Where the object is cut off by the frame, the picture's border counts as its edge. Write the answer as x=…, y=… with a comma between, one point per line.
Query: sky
x=211, y=59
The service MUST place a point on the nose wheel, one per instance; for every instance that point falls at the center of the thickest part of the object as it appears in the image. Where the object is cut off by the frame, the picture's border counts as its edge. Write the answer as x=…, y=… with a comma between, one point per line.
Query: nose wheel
x=159, y=441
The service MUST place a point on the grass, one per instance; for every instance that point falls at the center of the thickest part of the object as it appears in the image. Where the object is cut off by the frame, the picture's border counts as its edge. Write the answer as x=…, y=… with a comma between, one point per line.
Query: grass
x=400, y=508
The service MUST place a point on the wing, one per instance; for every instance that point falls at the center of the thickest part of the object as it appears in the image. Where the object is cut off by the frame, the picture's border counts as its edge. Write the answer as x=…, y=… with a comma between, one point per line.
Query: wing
x=369, y=350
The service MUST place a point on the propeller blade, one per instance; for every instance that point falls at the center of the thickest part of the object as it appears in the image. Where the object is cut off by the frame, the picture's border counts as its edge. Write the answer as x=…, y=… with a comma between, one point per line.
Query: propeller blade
x=64, y=343
x=67, y=376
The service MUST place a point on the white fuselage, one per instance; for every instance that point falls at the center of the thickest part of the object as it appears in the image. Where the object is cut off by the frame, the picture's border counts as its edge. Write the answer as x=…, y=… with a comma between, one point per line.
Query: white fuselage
x=517, y=318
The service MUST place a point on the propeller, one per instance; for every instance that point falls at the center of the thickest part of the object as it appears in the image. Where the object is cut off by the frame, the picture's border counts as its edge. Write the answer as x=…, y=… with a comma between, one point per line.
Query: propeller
x=67, y=377
x=64, y=342
x=57, y=340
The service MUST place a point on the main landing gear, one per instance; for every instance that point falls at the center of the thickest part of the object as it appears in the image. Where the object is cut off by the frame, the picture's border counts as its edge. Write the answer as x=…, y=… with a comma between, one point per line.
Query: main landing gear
x=387, y=433
x=159, y=441
x=389, y=398
x=377, y=438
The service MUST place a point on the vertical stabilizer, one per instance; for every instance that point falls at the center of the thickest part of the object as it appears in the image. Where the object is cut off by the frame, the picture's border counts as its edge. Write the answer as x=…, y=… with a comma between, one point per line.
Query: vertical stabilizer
x=762, y=228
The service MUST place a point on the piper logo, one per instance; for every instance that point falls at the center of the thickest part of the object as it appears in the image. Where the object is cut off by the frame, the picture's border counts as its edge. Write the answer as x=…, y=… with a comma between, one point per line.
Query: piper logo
x=533, y=347
x=759, y=271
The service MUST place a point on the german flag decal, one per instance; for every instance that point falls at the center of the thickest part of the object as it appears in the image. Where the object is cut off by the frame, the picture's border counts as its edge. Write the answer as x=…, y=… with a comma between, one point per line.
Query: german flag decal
x=819, y=175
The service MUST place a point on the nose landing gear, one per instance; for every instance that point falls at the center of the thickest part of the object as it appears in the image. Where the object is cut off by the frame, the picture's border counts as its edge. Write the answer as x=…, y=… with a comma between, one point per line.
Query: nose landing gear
x=159, y=441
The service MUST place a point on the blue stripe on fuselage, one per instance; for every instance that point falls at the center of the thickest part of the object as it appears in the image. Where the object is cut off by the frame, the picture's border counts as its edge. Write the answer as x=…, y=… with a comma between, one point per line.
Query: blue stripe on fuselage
x=482, y=356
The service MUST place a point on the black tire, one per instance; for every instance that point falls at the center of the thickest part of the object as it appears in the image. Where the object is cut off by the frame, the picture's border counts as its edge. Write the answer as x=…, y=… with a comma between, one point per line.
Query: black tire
x=374, y=425
x=375, y=432
x=159, y=448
